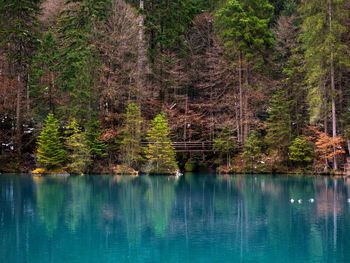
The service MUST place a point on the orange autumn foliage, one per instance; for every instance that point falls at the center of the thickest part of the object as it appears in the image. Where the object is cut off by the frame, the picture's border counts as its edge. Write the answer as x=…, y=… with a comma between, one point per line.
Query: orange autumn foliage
x=327, y=147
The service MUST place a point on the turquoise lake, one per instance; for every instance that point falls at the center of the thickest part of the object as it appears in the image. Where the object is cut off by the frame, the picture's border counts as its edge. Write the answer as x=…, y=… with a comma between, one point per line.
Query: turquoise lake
x=195, y=218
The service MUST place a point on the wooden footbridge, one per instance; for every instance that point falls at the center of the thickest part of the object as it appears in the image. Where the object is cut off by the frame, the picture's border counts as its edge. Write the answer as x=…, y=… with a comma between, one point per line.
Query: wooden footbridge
x=190, y=147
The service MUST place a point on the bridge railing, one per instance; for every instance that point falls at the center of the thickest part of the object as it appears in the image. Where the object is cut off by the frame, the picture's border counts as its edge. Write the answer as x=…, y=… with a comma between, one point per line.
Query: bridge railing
x=198, y=146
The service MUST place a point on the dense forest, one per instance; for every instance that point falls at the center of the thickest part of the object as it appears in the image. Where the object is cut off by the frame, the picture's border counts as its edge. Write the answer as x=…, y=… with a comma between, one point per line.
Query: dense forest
x=101, y=85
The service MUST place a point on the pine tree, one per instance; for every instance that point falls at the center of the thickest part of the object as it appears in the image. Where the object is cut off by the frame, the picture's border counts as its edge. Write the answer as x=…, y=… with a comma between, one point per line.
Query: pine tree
x=324, y=31
x=79, y=62
x=252, y=149
x=244, y=29
x=79, y=156
x=245, y=24
x=98, y=148
x=225, y=144
x=50, y=153
x=290, y=60
x=160, y=152
x=131, y=143
x=301, y=151
x=18, y=39
x=278, y=123
x=43, y=91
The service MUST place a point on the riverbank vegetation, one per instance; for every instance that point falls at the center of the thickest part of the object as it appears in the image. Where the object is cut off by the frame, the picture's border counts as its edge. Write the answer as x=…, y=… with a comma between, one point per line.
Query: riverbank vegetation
x=91, y=85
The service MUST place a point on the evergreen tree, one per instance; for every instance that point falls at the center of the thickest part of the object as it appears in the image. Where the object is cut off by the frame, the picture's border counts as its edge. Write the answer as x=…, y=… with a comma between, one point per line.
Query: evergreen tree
x=289, y=57
x=18, y=39
x=43, y=91
x=252, y=149
x=225, y=144
x=244, y=29
x=50, y=153
x=324, y=31
x=278, y=123
x=245, y=24
x=79, y=156
x=131, y=143
x=79, y=62
x=98, y=148
x=160, y=152
x=301, y=151
x=168, y=21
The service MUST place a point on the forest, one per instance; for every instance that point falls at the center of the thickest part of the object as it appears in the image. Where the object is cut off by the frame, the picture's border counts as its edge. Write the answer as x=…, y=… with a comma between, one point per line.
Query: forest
x=100, y=86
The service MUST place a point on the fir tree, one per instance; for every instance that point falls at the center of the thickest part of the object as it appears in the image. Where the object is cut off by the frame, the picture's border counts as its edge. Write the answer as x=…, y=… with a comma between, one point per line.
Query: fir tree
x=324, y=34
x=252, y=149
x=79, y=156
x=225, y=144
x=98, y=148
x=131, y=143
x=43, y=91
x=160, y=152
x=244, y=29
x=18, y=39
x=278, y=123
x=301, y=151
x=79, y=62
x=245, y=24
x=50, y=153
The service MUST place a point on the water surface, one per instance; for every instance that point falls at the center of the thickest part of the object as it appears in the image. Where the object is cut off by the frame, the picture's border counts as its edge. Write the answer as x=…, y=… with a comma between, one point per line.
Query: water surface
x=196, y=218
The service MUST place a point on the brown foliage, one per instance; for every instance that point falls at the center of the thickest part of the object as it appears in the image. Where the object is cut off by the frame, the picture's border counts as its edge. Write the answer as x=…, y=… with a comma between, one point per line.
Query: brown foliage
x=50, y=9
x=116, y=42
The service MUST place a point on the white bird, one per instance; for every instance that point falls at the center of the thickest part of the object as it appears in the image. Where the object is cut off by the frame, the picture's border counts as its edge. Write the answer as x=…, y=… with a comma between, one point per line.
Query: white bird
x=311, y=200
x=292, y=200
x=348, y=200
x=300, y=201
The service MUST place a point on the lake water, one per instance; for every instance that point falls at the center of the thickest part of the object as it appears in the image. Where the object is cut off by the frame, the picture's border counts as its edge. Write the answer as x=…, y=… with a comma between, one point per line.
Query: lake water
x=195, y=218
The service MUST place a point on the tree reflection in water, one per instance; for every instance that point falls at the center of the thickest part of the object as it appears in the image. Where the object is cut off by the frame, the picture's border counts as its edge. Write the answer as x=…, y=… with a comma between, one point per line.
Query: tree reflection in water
x=240, y=217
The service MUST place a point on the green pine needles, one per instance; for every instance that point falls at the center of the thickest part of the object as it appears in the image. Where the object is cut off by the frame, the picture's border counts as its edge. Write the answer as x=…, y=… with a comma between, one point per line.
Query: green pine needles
x=79, y=153
x=131, y=144
x=160, y=152
x=225, y=144
x=51, y=153
x=93, y=134
x=74, y=153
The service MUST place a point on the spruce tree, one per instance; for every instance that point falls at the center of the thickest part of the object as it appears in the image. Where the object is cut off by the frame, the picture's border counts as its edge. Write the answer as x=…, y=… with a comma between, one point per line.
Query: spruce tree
x=98, y=148
x=160, y=152
x=18, y=39
x=225, y=144
x=324, y=36
x=244, y=25
x=79, y=62
x=252, y=149
x=43, y=91
x=79, y=156
x=301, y=151
x=278, y=123
x=50, y=153
x=131, y=143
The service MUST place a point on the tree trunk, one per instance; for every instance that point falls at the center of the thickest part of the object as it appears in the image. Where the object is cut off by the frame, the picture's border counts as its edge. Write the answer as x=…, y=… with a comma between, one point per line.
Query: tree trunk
x=141, y=53
x=28, y=96
x=237, y=123
x=185, y=124
x=19, y=116
x=246, y=127
x=334, y=120
x=240, y=99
